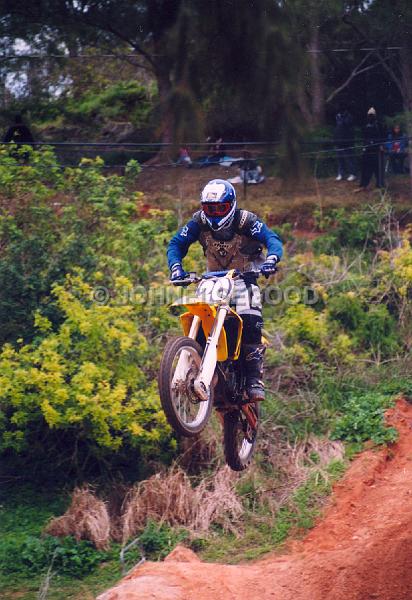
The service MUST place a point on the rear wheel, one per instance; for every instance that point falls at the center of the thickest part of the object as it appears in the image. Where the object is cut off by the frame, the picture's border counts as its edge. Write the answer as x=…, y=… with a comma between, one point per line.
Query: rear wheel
x=239, y=437
x=179, y=367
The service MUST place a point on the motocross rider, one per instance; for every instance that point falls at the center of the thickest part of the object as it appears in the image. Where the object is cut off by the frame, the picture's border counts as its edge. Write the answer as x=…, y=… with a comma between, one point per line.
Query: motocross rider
x=232, y=238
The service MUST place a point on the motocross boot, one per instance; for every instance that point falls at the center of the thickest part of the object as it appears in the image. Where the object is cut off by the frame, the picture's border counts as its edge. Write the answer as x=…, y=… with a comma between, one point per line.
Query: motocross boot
x=253, y=361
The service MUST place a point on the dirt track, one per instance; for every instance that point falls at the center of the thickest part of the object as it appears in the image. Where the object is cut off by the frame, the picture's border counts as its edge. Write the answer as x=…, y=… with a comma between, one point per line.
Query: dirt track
x=361, y=550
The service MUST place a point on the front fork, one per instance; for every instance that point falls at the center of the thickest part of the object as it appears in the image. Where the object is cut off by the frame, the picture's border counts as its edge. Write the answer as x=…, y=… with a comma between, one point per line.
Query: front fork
x=208, y=365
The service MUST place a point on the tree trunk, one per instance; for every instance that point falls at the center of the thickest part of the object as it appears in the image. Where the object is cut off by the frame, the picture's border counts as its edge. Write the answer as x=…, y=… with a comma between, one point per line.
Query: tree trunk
x=166, y=128
x=318, y=92
x=304, y=106
x=406, y=72
x=3, y=92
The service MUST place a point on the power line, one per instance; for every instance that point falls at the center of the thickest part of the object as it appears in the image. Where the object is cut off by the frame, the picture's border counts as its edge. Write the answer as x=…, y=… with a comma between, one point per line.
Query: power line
x=263, y=158
x=147, y=144
x=134, y=55
x=390, y=48
x=332, y=142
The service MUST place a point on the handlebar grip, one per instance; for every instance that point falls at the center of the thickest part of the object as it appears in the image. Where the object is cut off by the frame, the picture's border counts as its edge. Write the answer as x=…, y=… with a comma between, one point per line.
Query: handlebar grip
x=181, y=282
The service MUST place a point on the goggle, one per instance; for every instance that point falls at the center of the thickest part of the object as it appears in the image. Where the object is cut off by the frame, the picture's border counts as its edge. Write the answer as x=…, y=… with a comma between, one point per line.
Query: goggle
x=216, y=209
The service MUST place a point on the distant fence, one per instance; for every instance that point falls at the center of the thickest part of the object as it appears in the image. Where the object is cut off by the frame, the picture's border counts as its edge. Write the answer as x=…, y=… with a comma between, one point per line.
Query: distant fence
x=320, y=156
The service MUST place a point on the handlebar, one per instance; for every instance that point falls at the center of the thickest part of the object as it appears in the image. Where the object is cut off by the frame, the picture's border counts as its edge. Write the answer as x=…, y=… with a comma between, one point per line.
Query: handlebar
x=195, y=278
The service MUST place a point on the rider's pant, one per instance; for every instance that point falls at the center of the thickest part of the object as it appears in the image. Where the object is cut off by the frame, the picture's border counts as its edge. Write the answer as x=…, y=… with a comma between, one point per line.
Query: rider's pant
x=248, y=305
x=247, y=302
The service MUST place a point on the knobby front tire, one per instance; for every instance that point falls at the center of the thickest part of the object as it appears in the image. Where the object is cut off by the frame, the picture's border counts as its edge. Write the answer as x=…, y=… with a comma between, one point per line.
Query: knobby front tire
x=239, y=440
x=179, y=368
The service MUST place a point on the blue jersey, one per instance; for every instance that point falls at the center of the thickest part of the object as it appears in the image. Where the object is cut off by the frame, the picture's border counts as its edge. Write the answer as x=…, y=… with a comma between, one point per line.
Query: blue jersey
x=245, y=224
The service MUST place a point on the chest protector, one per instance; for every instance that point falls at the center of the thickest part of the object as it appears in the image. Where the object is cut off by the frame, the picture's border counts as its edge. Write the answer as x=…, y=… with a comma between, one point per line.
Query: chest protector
x=230, y=248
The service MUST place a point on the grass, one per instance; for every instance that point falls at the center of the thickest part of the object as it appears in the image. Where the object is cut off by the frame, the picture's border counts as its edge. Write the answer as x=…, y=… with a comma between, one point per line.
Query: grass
x=24, y=512
x=178, y=189
x=264, y=533
x=280, y=496
x=64, y=587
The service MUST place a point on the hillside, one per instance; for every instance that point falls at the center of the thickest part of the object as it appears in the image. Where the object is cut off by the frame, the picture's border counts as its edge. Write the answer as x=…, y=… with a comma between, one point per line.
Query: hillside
x=292, y=202
x=359, y=550
x=81, y=411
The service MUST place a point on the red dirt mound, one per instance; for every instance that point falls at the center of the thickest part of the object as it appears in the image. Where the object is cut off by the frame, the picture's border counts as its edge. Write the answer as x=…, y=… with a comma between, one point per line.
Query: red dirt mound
x=361, y=550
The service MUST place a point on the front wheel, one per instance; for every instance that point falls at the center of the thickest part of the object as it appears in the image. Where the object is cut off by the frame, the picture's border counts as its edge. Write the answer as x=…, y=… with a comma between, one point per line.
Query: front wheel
x=239, y=436
x=179, y=367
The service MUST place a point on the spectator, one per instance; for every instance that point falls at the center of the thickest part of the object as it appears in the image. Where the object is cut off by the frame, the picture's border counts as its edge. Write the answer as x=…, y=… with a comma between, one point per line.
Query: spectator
x=217, y=150
x=343, y=135
x=18, y=133
x=396, y=147
x=249, y=170
x=184, y=158
x=372, y=152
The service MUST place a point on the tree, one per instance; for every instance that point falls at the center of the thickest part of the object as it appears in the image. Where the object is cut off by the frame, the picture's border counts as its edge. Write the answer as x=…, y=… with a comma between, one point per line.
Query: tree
x=144, y=30
x=177, y=42
x=391, y=45
x=332, y=60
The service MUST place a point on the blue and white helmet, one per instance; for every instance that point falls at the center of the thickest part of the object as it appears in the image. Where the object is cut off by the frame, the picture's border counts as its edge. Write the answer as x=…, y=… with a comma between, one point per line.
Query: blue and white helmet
x=218, y=200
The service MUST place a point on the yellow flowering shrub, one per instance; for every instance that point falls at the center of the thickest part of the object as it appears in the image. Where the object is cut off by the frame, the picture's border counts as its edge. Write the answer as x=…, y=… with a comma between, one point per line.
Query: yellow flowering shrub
x=87, y=378
x=396, y=268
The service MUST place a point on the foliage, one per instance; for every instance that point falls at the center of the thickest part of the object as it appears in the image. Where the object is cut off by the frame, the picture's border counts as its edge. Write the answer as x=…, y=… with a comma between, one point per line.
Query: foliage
x=25, y=555
x=66, y=556
x=362, y=419
x=336, y=308
x=359, y=229
x=159, y=539
x=372, y=327
x=87, y=378
x=303, y=506
x=59, y=221
x=128, y=100
x=262, y=531
x=80, y=358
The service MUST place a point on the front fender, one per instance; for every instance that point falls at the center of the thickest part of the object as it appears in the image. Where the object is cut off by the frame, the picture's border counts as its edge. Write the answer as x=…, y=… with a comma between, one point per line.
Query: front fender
x=207, y=314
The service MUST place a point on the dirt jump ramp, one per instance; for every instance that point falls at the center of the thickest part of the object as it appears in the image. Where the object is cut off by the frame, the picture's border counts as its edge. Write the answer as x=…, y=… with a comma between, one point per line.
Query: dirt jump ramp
x=360, y=550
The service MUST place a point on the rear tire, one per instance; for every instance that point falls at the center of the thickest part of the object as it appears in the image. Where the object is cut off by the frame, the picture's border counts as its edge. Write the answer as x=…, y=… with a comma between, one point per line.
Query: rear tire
x=184, y=411
x=239, y=440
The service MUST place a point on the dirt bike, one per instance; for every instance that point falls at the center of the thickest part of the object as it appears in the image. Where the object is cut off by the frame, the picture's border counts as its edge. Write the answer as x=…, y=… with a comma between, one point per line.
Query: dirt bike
x=204, y=368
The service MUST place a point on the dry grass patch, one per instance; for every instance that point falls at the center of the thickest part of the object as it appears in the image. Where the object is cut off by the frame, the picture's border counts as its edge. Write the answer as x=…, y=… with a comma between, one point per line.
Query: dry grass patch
x=87, y=518
x=167, y=497
x=170, y=498
x=295, y=463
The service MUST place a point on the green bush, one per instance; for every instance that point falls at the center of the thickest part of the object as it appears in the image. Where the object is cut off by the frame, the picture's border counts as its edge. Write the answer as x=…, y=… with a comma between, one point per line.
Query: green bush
x=360, y=229
x=378, y=330
x=79, y=372
x=66, y=556
x=125, y=99
x=348, y=310
x=60, y=222
x=87, y=378
x=362, y=419
x=158, y=540
x=372, y=327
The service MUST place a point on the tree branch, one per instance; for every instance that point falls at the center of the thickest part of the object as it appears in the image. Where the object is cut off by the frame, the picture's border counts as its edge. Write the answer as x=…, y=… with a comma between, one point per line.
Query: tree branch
x=382, y=60
x=391, y=72
x=127, y=58
x=108, y=28
x=134, y=44
x=355, y=72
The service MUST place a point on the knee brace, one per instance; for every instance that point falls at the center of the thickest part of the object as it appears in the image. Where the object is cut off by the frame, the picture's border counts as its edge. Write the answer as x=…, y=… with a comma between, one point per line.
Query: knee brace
x=252, y=329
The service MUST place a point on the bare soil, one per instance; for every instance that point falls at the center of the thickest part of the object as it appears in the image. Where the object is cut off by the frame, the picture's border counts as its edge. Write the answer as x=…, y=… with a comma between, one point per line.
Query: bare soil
x=360, y=550
x=293, y=202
